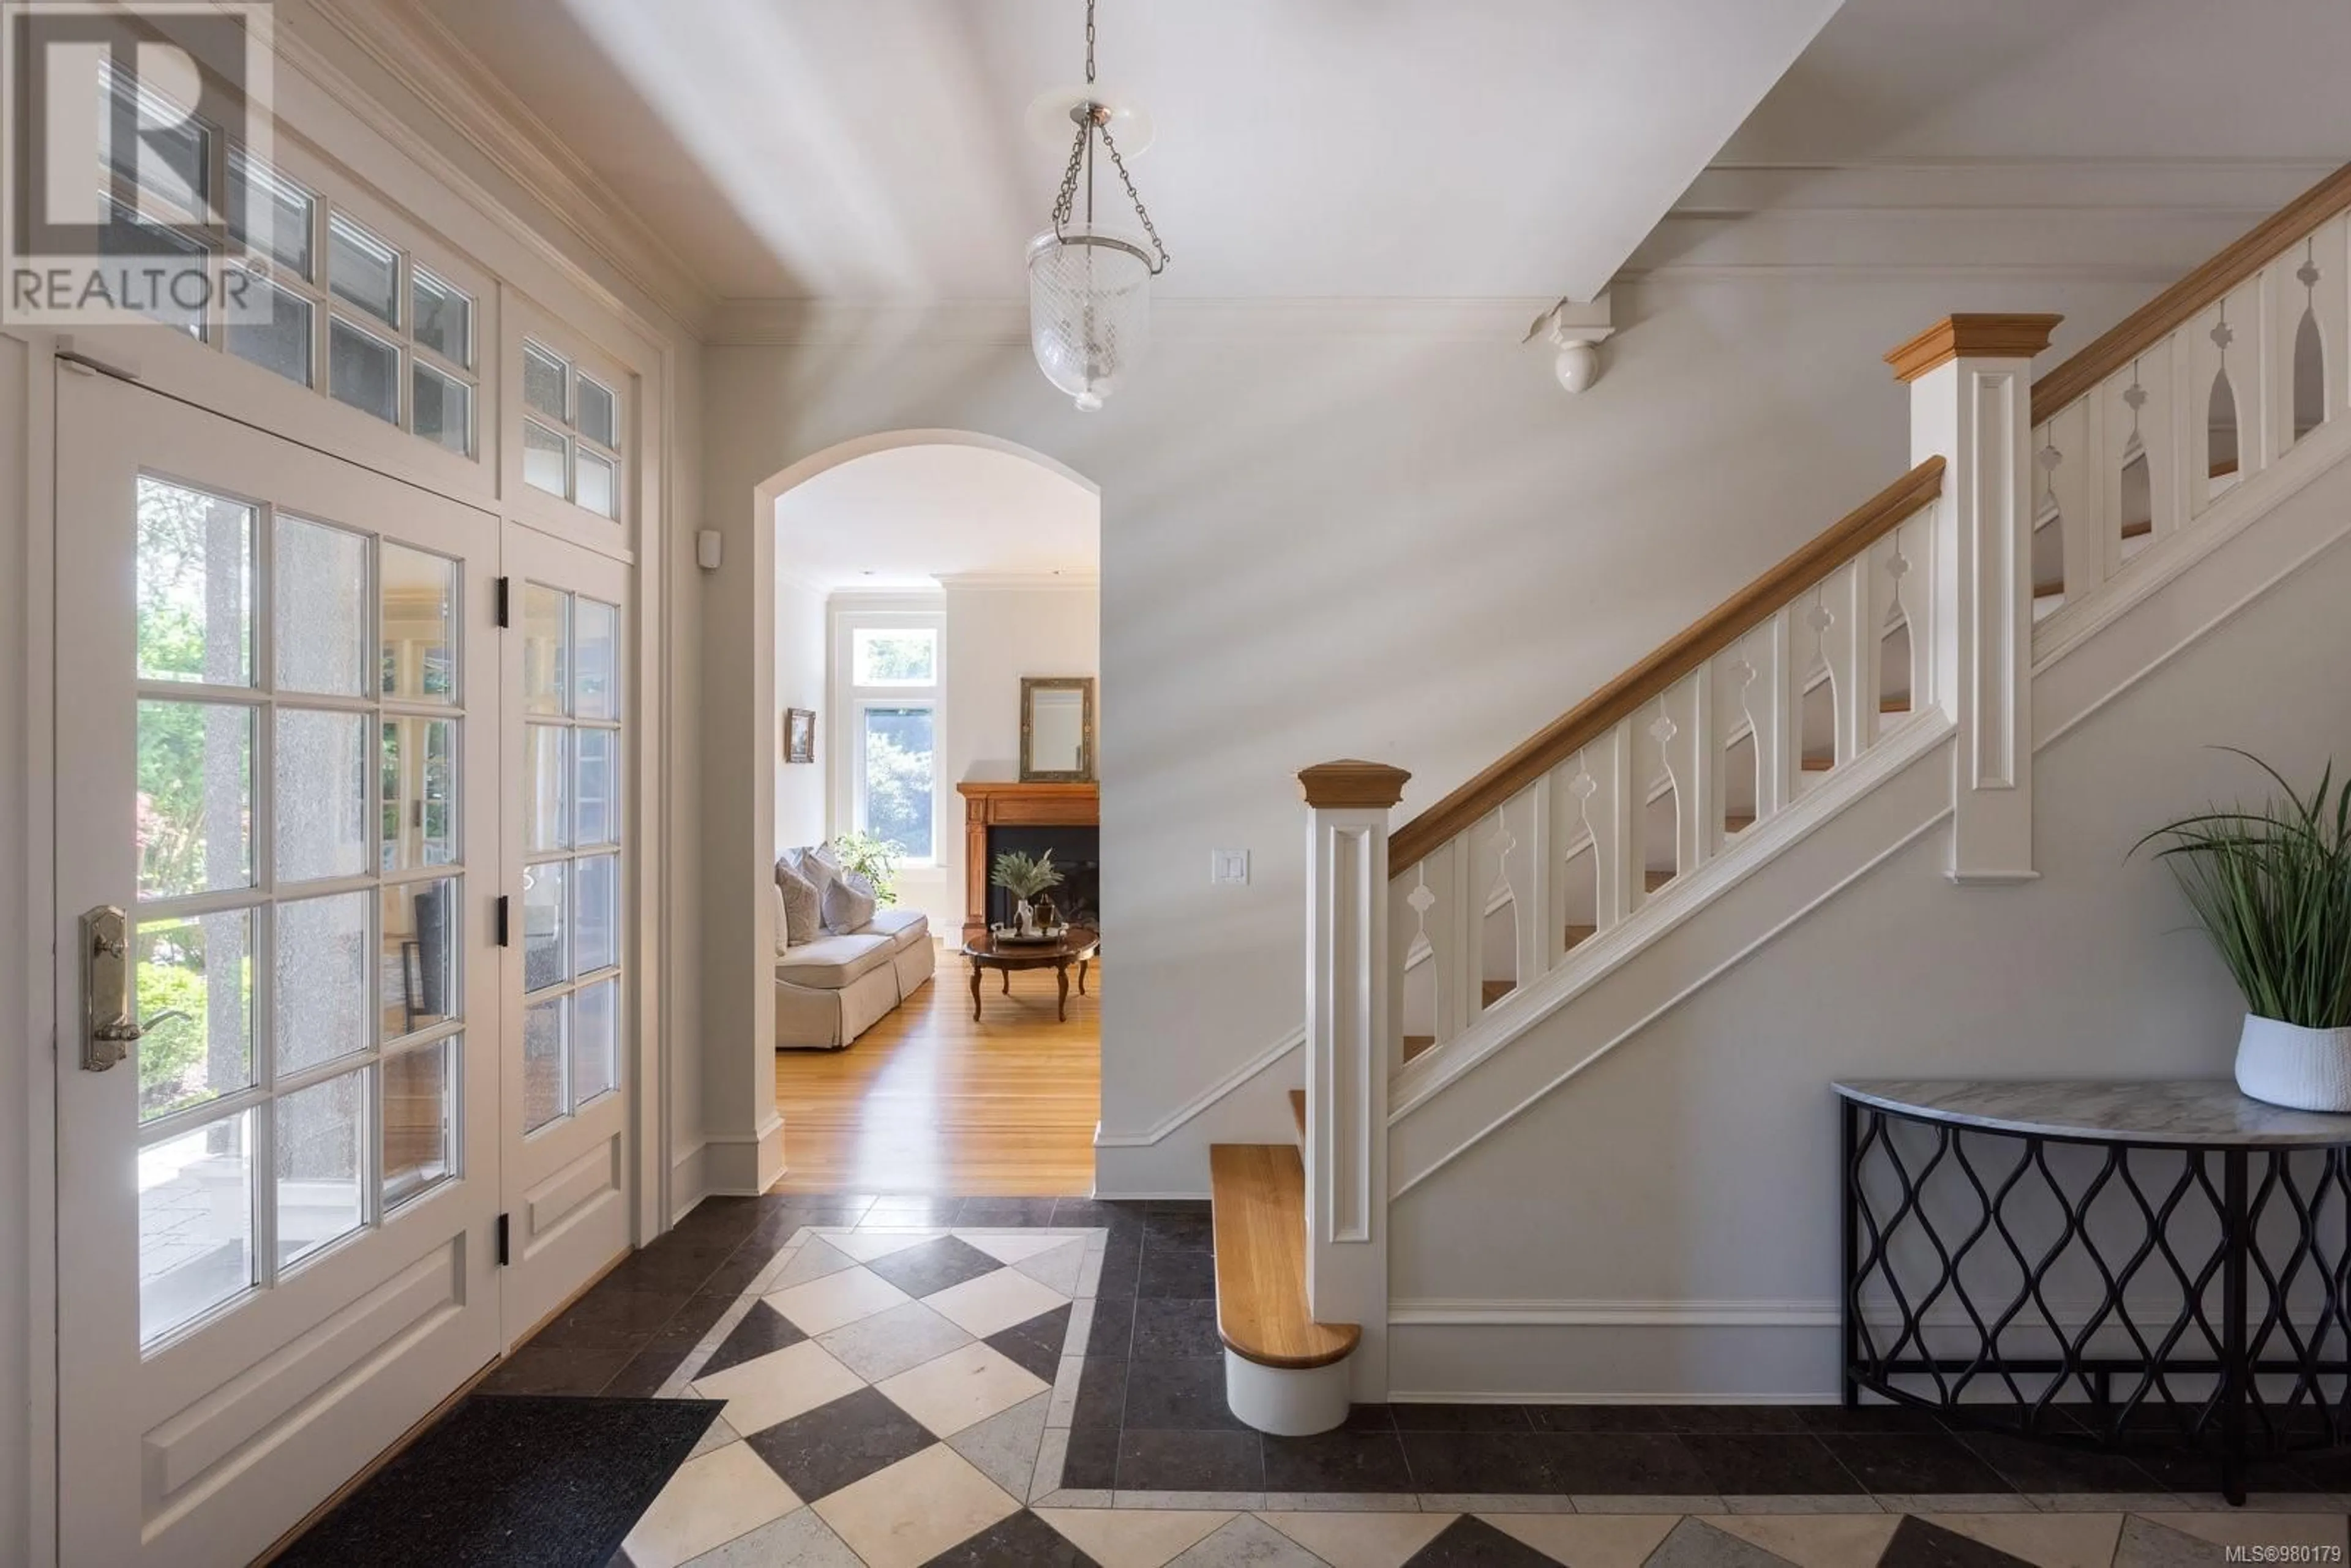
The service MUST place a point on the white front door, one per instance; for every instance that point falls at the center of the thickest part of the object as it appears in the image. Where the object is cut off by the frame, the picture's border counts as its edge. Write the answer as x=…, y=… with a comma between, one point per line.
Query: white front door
x=277, y=748
x=564, y=1137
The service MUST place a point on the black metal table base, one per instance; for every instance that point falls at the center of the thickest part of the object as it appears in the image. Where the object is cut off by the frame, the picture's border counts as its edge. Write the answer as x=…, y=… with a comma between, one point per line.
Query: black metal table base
x=2123, y=1295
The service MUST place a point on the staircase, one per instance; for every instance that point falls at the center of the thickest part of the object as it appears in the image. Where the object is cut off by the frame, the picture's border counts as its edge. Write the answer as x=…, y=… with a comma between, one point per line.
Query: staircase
x=2034, y=515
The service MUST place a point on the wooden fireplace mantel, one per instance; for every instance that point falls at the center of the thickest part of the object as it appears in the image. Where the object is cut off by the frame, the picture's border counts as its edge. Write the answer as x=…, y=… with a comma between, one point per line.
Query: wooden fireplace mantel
x=987, y=804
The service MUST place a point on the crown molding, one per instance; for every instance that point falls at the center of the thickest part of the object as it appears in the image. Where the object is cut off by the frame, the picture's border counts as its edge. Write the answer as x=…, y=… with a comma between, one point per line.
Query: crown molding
x=412, y=47
x=1082, y=580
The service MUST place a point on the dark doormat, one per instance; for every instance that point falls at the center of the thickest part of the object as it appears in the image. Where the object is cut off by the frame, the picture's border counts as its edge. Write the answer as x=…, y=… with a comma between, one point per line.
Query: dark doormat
x=513, y=1479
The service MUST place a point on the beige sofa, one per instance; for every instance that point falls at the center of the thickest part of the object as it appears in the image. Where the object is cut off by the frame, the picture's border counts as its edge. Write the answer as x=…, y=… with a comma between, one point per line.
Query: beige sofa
x=830, y=990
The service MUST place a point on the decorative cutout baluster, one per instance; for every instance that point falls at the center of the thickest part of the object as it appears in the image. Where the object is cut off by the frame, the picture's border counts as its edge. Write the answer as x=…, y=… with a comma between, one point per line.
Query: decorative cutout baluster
x=1771, y=711
x=1422, y=1001
x=1499, y=919
x=1897, y=675
x=1815, y=738
x=1738, y=782
x=2309, y=391
x=1578, y=910
x=1659, y=860
x=2049, y=556
x=2227, y=445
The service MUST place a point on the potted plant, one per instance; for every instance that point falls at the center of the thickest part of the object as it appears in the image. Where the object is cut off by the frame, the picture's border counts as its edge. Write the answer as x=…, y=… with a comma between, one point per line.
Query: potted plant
x=2272, y=887
x=876, y=860
x=1025, y=877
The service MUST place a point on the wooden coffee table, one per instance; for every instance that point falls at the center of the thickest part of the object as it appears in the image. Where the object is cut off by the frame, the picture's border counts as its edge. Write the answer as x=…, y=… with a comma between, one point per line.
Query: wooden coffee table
x=1077, y=945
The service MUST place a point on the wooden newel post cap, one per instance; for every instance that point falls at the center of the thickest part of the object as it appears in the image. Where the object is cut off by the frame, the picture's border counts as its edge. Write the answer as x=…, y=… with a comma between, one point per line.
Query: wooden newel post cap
x=1342, y=785
x=1971, y=336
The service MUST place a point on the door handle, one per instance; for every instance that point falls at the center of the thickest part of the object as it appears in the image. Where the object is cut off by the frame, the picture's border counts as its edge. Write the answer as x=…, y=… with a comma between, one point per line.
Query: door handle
x=109, y=1029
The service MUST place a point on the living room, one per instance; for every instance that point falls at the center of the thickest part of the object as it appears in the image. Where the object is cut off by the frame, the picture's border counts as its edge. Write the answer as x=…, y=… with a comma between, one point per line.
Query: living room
x=938, y=732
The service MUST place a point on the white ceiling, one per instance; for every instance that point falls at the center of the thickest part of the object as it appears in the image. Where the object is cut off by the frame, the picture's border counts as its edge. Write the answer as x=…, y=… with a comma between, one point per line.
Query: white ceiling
x=874, y=151
x=908, y=515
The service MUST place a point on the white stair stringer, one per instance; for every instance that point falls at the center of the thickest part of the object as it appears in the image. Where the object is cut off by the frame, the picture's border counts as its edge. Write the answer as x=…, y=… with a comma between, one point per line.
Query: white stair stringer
x=1614, y=986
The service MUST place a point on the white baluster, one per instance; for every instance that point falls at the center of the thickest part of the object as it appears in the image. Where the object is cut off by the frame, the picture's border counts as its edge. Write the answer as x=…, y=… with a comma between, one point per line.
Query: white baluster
x=1850, y=648
x=1620, y=858
x=1461, y=911
x=1540, y=938
x=1688, y=754
x=1771, y=709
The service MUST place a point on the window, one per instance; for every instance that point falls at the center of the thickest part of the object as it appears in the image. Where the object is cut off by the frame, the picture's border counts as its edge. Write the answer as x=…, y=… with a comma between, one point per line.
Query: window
x=342, y=311
x=570, y=433
x=887, y=676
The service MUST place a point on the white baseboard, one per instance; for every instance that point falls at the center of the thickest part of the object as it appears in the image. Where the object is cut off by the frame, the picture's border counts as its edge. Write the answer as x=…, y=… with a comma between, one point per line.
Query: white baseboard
x=689, y=1182
x=743, y=1165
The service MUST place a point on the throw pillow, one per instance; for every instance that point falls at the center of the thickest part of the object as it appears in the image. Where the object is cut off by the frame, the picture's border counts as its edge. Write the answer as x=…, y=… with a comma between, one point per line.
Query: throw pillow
x=815, y=864
x=848, y=903
x=803, y=905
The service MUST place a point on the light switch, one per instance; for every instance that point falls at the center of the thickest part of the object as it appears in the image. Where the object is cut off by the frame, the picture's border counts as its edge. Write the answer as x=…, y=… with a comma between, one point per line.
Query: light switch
x=1228, y=867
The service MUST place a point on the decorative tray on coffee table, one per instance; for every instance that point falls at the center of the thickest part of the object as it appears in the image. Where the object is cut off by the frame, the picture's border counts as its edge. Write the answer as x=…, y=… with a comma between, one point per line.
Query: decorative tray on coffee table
x=1009, y=937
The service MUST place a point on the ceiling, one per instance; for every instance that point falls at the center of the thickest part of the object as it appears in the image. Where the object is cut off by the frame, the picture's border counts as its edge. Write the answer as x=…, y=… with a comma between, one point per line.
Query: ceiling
x=1306, y=149
x=908, y=515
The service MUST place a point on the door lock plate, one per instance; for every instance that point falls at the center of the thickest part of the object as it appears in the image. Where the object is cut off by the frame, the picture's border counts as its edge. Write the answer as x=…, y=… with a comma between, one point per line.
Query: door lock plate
x=110, y=1029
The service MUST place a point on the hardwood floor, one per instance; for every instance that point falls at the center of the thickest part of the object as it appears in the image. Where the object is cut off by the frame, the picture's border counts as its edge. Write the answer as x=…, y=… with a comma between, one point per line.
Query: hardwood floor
x=929, y=1102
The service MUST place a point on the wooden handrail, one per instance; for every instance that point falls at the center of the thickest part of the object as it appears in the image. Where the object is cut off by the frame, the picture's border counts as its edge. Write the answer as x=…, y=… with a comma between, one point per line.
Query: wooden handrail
x=2143, y=328
x=1647, y=680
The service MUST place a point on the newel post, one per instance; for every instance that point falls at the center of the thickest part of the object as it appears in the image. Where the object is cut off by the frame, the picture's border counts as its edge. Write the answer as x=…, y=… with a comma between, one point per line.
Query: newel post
x=1350, y=1001
x=1970, y=381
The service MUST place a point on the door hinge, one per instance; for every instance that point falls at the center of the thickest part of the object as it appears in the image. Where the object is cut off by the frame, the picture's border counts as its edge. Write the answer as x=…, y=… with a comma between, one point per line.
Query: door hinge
x=498, y=921
x=505, y=602
x=502, y=1240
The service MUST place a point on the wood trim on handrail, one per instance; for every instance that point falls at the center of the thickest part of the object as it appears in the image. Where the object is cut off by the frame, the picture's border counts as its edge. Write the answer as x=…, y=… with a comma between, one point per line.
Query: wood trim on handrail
x=2144, y=327
x=1647, y=680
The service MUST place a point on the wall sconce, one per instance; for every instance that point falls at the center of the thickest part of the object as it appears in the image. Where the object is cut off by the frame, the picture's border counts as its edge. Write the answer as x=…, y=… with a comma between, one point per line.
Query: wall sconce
x=1575, y=331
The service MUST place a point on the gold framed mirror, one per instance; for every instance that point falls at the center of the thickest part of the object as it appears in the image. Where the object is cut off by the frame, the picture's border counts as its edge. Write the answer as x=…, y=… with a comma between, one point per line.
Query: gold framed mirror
x=1057, y=729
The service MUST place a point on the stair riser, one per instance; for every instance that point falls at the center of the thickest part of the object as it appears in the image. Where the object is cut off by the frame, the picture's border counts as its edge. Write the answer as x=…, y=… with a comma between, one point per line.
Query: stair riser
x=1287, y=1403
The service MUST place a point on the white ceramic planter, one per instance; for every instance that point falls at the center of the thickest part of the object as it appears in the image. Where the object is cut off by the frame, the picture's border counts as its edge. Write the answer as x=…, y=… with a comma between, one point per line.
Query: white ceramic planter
x=2302, y=1069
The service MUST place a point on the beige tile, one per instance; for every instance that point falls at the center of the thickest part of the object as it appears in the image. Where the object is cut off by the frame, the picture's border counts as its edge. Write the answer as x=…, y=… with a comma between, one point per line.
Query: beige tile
x=778, y=1385
x=867, y=1245
x=961, y=1387
x=1588, y=1541
x=1672, y=1503
x=991, y=1302
x=2255, y=1529
x=2048, y=1540
x=822, y=1305
x=914, y=1510
x=800, y=1538
x=1059, y=1269
x=1133, y=1537
x=1956, y=1502
x=1012, y=1246
x=1814, y=1539
x=1803, y=1502
x=1361, y=1540
x=709, y=1502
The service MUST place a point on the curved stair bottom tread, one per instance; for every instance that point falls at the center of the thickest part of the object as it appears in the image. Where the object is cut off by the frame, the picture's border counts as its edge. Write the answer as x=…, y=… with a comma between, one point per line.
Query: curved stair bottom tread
x=1258, y=1210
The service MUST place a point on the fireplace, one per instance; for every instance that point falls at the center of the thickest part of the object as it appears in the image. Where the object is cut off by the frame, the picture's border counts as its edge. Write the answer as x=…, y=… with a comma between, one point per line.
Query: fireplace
x=1077, y=855
x=1065, y=818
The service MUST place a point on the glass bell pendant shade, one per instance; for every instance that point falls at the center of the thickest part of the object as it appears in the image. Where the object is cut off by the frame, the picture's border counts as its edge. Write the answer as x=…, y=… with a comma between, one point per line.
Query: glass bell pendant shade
x=1089, y=309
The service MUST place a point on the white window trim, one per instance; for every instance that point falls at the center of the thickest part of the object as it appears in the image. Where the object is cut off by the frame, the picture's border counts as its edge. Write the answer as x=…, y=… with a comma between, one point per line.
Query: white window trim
x=851, y=614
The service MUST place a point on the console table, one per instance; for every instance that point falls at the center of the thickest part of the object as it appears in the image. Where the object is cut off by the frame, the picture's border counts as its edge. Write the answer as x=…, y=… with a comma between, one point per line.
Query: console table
x=2122, y=1265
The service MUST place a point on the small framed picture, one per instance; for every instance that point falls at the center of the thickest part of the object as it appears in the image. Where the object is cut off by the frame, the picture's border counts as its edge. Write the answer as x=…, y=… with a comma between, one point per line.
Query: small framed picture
x=800, y=734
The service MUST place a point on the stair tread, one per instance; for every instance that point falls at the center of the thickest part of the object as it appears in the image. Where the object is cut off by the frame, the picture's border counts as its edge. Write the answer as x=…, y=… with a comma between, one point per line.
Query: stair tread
x=1653, y=880
x=1895, y=705
x=1298, y=1110
x=1258, y=1195
x=1576, y=934
x=1818, y=761
x=1737, y=824
x=1414, y=1044
x=1492, y=992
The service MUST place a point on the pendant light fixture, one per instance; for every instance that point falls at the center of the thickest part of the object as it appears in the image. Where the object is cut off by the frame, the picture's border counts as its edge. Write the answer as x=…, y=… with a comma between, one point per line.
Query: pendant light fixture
x=1089, y=279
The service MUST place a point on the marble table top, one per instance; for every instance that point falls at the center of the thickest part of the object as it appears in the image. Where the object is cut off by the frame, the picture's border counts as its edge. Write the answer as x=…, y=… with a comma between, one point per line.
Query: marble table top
x=2143, y=1111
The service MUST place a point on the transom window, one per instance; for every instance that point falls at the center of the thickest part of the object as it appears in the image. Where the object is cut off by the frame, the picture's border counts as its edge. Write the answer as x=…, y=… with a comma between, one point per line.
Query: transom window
x=570, y=433
x=349, y=313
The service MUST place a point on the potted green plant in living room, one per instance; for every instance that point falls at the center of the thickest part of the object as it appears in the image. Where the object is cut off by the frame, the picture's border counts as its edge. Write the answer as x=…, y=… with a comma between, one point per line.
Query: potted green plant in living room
x=2272, y=887
x=876, y=860
x=1024, y=877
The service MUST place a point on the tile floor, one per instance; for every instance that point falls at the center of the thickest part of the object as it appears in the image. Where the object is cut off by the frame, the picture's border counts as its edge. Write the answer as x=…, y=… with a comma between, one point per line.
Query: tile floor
x=997, y=1380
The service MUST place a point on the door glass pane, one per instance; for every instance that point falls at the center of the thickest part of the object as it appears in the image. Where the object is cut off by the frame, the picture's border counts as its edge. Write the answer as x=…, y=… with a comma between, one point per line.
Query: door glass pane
x=320, y=801
x=363, y=270
x=196, y=586
x=542, y=1063
x=282, y=342
x=444, y=411
x=596, y=420
x=195, y=996
x=445, y=319
x=595, y=636
x=544, y=926
x=545, y=379
x=321, y=990
x=420, y=634
x=594, y=1015
x=543, y=801
x=545, y=458
x=174, y=283
x=196, y=1224
x=599, y=489
x=364, y=370
x=545, y=665
x=419, y=1120
x=320, y=592
x=321, y=1138
x=595, y=819
x=419, y=803
x=419, y=926
x=196, y=797
x=898, y=777
x=267, y=207
x=595, y=887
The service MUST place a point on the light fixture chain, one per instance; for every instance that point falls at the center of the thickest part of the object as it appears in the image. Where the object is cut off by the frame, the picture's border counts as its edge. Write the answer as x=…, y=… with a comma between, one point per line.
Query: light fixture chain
x=1132, y=195
x=1090, y=43
x=1063, y=203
